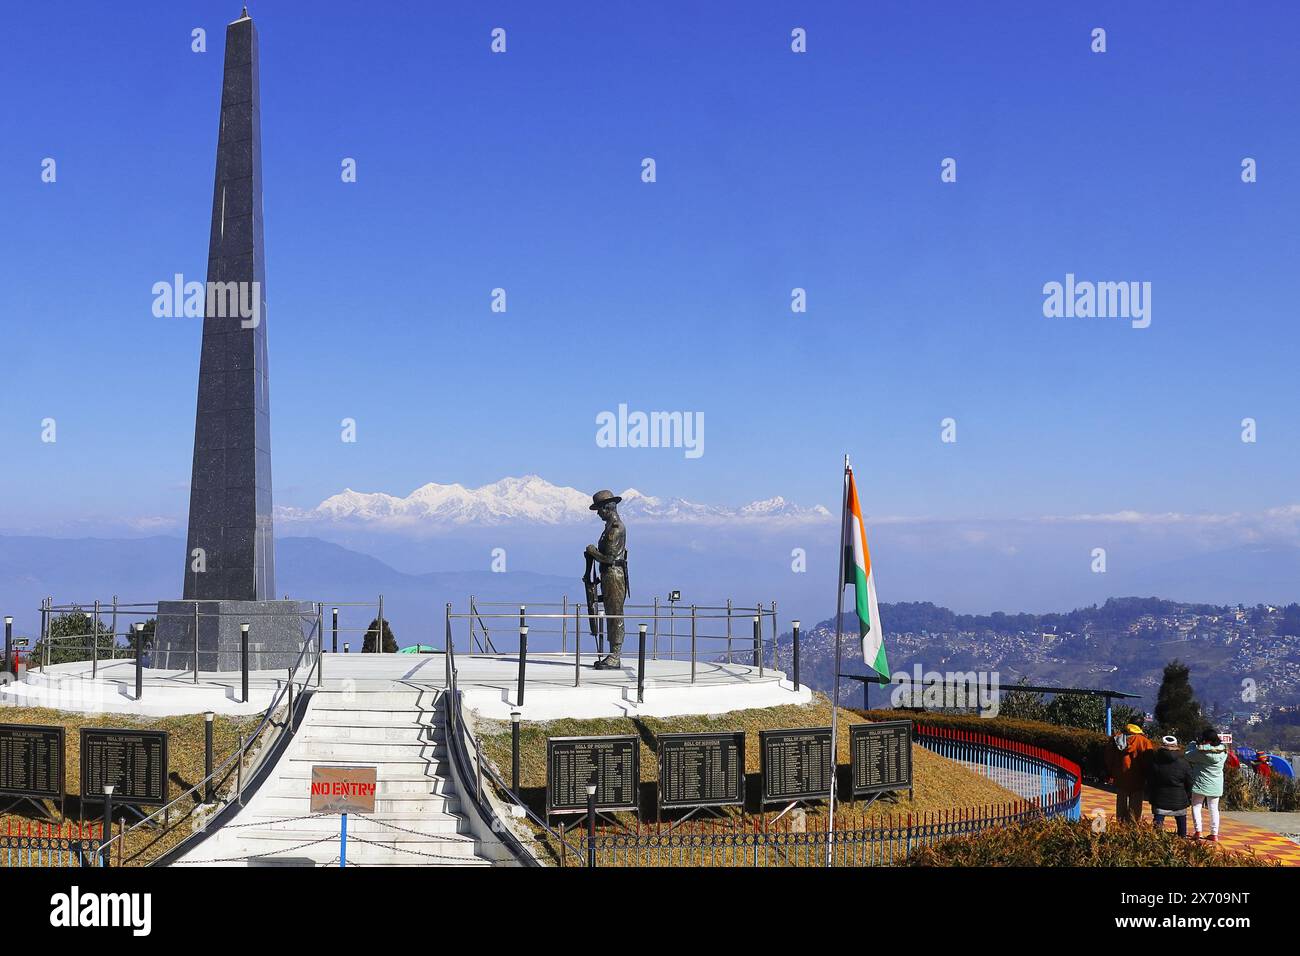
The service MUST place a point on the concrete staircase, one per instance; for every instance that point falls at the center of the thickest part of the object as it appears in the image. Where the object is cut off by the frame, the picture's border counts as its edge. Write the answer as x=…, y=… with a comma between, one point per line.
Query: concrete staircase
x=417, y=820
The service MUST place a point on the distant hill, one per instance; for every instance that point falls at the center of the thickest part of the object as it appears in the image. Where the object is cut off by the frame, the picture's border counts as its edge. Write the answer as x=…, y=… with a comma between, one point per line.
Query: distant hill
x=149, y=569
x=1122, y=645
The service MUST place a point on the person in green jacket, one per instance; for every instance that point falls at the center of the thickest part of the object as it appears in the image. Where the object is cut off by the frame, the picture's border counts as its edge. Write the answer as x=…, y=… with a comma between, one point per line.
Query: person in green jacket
x=1207, y=757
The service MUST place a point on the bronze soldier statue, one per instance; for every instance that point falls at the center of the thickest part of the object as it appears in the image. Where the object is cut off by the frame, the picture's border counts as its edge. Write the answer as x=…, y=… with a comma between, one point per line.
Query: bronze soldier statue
x=611, y=554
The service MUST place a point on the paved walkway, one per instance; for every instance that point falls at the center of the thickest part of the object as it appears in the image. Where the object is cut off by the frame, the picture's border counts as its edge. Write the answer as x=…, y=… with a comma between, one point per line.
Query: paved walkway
x=1233, y=834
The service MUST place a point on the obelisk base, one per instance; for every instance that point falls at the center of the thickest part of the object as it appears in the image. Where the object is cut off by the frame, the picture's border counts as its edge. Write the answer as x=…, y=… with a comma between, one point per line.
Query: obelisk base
x=277, y=631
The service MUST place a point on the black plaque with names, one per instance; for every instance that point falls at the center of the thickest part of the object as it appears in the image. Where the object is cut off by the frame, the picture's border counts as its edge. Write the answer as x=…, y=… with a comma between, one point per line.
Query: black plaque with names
x=612, y=763
x=701, y=770
x=880, y=756
x=31, y=761
x=133, y=761
x=796, y=764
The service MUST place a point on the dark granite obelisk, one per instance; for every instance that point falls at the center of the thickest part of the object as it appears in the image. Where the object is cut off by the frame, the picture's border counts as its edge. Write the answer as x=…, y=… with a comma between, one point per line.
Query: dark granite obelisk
x=230, y=552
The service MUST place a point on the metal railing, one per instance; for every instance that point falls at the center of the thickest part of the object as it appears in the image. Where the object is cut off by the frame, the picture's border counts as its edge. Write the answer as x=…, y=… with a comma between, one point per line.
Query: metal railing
x=1026, y=770
x=475, y=769
x=66, y=844
x=1047, y=785
x=708, y=634
x=234, y=763
x=860, y=841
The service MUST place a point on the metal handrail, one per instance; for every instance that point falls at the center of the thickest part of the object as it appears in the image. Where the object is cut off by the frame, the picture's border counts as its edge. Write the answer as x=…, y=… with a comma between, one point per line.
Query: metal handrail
x=241, y=751
x=456, y=743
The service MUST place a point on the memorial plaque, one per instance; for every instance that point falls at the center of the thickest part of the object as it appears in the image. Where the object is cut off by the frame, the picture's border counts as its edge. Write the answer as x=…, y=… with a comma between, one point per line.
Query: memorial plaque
x=701, y=770
x=31, y=761
x=880, y=756
x=133, y=761
x=612, y=763
x=796, y=764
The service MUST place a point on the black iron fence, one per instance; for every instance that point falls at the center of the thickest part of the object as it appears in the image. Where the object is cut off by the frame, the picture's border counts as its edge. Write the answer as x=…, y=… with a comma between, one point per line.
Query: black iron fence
x=50, y=845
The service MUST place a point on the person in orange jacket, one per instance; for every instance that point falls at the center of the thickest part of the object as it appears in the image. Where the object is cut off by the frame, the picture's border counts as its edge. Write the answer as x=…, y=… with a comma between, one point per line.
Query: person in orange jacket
x=1128, y=760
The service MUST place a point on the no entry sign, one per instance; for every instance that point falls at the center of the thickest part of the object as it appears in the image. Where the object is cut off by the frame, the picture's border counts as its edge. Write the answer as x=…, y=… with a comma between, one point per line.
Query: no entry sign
x=342, y=789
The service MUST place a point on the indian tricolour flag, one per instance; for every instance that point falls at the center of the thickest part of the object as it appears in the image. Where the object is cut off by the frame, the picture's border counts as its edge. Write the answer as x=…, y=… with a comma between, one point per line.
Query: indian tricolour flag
x=864, y=584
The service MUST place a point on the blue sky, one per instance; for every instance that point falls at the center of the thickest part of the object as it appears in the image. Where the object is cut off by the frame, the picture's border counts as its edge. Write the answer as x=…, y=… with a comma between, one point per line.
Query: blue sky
x=775, y=170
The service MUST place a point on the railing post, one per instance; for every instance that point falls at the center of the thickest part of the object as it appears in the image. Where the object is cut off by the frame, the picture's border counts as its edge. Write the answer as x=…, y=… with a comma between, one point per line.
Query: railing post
x=523, y=658
x=728, y=630
x=564, y=624
x=334, y=645
x=94, y=642
x=758, y=636
x=209, y=795
x=113, y=626
x=320, y=647
x=794, y=653
x=46, y=626
x=379, y=638
x=243, y=661
x=640, y=665
x=577, y=644
x=656, y=632
x=692, y=643
x=139, y=659
x=288, y=720
x=239, y=771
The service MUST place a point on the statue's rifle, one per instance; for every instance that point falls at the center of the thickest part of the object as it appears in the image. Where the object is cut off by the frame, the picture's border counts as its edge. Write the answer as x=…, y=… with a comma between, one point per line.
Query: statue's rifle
x=589, y=583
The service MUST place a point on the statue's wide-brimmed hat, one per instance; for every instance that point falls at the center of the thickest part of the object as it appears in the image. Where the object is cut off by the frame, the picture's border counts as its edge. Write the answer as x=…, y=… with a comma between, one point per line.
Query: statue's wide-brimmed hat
x=603, y=497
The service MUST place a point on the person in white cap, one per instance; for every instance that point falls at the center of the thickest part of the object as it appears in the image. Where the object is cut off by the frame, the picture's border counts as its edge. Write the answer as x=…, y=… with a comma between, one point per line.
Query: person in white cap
x=1169, y=785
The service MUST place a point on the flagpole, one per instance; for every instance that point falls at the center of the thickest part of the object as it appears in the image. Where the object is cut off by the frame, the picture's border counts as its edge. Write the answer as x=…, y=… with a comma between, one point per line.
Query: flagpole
x=835, y=699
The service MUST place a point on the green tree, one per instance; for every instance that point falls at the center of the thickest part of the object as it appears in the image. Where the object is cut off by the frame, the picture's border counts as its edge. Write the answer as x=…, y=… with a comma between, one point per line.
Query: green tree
x=71, y=637
x=390, y=642
x=1077, y=710
x=1177, y=711
x=1023, y=704
x=1121, y=715
x=1290, y=623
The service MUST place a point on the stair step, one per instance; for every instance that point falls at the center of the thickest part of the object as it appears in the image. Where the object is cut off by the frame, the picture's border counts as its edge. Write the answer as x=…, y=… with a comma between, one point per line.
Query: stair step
x=371, y=753
x=369, y=735
x=411, y=805
x=301, y=831
x=376, y=718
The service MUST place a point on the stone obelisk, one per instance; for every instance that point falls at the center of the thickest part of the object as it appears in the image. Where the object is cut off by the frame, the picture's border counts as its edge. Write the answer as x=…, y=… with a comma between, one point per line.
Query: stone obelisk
x=230, y=552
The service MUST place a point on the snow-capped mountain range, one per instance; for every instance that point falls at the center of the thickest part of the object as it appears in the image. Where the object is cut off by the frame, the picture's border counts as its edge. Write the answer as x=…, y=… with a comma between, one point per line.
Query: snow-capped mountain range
x=529, y=499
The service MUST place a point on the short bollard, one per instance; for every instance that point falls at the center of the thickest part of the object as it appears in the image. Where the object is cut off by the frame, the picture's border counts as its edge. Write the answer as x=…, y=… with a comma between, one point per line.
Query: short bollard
x=105, y=852
x=243, y=661
x=9, y=642
x=335, y=628
x=640, y=665
x=343, y=841
x=346, y=646
x=795, y=653
x=758, y=651
x=523, y=659
x=209, y=794
x=139, y=660
x=514, y=752
x=591, y=824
